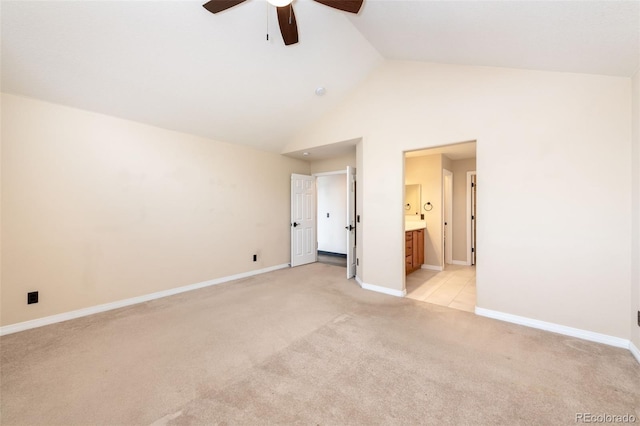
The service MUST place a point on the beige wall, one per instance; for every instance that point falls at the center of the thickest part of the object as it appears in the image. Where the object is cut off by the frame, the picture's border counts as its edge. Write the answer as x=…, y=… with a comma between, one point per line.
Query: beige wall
x=97, y=209
x=1, y=214
x=541, y=137
x=334, y=164
x=460, y=222
x=427, y=171
x=635, y=284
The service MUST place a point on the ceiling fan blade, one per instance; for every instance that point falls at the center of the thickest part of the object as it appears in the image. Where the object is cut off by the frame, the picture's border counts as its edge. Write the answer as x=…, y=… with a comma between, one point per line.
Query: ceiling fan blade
x=215, y=6
x=352, y=6
x=288, y=26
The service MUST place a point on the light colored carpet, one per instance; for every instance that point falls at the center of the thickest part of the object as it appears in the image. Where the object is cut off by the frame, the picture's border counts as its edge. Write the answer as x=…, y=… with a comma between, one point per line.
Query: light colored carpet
x=305, y=346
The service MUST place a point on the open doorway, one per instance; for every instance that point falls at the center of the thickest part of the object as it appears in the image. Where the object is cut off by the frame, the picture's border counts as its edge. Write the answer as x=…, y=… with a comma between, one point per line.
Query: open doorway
x=336, y=230
x=331, y=213
x=446, y=276
x=338, y=160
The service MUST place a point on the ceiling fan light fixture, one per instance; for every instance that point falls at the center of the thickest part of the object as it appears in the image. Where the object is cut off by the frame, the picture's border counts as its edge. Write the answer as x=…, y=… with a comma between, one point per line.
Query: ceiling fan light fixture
x=286, y=17
x=280, y=3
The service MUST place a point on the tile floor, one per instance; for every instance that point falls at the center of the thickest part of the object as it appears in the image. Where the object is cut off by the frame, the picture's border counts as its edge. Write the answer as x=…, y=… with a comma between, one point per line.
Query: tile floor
x=454, y=287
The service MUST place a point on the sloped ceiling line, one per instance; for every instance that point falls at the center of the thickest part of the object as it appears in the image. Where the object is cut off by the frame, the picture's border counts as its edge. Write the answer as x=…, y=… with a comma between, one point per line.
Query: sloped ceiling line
x=176, y=66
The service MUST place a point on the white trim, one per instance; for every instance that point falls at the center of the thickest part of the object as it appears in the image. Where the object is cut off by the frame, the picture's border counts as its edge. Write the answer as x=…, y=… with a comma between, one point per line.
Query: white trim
x=556, y=328
x=65, y=316
x=350, y=190
x=634, y=351
x=460, y=262
x=380, y=289
x=447, y=253
x=468, y=221
x=432, y=267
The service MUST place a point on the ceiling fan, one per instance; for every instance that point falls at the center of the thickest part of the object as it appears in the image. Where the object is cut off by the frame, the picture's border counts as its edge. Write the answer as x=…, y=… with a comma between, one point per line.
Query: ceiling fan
x=286, y=17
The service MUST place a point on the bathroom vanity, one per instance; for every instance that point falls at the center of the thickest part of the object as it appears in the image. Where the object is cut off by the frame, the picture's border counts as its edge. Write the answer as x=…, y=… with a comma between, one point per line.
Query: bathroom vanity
x=414, y=249
x=414, y=227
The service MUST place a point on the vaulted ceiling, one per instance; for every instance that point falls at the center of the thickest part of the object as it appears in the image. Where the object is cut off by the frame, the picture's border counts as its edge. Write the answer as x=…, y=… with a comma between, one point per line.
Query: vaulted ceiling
x=174, y=65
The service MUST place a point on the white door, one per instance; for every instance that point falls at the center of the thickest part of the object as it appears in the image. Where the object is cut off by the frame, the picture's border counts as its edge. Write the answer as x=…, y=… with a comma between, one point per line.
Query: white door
x=303, y=220
x=474, y=186
x=351, y=222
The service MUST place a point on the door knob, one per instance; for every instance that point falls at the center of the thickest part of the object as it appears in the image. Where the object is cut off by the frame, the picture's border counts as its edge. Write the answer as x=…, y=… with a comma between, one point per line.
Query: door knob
x=295, y=224
x=349, y=228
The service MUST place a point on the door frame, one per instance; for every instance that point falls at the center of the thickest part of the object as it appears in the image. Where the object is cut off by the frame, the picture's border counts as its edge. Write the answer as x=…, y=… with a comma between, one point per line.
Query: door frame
x=351, y=222
x=447, y=216
x=349, y=185
x=470, y=222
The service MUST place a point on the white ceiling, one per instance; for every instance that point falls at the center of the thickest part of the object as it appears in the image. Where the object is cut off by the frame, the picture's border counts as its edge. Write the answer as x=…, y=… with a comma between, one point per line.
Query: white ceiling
x=326, y=152
x=174, y=65
x=592, y=37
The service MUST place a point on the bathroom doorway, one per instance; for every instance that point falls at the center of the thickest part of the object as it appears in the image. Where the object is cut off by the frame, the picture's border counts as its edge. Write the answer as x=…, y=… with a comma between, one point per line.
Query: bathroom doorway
x=447, y=276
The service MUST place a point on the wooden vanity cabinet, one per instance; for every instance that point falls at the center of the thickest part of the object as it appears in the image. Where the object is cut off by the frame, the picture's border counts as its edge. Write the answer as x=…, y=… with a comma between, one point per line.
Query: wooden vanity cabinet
x=414, y=250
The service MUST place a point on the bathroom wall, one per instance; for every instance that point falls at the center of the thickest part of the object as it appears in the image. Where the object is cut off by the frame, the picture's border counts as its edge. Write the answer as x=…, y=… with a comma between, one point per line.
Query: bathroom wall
x=427, y=171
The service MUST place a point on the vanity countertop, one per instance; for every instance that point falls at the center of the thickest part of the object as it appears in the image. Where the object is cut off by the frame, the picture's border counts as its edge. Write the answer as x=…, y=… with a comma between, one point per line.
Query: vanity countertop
x=412, y=225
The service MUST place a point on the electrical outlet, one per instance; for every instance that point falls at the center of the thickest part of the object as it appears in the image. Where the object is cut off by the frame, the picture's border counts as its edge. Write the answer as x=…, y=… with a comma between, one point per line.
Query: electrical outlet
x=255, y=257
x=32, y=297
x=327, y=214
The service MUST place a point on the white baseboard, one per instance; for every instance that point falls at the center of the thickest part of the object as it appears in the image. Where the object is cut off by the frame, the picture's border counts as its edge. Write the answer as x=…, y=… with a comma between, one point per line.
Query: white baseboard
x=39, y=322
x=459, y=262
x=432, y=267
x=556, y=328
x=635, y=351
x=380, y=289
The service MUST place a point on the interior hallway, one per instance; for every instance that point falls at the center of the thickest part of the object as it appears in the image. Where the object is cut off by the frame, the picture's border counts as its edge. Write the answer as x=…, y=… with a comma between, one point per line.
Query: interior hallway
x=455, y=287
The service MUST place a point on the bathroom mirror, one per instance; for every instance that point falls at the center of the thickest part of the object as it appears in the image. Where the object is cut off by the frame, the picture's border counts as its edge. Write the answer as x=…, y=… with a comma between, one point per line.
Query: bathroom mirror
x=412, y=201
